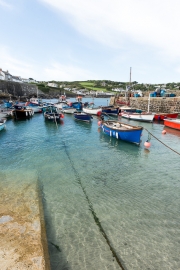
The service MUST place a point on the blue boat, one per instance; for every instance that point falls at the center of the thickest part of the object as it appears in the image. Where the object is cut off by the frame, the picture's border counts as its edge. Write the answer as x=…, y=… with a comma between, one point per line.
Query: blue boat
x=122, y=131
x=83, y=116
x=110, y=110
x=8, y=104
x=77, y=105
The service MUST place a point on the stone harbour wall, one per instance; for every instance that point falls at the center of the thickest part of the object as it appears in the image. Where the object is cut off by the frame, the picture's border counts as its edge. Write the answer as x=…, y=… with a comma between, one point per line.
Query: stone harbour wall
x=156, y=104
x=23, y=243
x=19, y=89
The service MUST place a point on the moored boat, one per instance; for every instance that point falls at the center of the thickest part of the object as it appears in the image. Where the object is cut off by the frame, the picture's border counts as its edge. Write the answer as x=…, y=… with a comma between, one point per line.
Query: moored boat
x=110, y=110
x=8, y=104
x=53, y=116
x=68, y=109
x=21, y=111
x=162, y=116
x=92, y=109
x=172, y=123
x=35, y=107
x=83, y=116
x=138, y=116
x=122, y=131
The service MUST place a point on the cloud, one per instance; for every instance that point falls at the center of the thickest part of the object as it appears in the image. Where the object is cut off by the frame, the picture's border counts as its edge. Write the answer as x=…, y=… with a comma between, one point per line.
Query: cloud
x=116, y=22
x=55, y=70
x=60, y=72
x=5, y=4
x=13, y=64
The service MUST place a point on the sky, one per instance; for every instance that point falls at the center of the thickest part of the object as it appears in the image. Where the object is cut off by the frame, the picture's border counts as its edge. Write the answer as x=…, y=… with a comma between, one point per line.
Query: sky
x=79, y=40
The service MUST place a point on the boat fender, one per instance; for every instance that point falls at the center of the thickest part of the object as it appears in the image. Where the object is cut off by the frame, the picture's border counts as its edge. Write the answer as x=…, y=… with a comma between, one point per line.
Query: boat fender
x=147, y=144
x=116, y=135
x=99, y=122
x=110, y=133
x=26, y=113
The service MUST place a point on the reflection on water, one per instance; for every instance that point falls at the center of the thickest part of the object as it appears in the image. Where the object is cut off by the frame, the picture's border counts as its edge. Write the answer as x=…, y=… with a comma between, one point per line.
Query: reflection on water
x=133, y=191
x=172, y=131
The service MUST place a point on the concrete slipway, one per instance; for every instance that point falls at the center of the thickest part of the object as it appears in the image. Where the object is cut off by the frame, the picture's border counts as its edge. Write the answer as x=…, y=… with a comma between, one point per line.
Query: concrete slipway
x=23, y=243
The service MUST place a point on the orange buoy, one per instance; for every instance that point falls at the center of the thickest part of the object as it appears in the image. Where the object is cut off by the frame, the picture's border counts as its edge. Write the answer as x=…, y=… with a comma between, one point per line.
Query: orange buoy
x=99, y=123
x=62, y=116
x=99, y=113
x=147, y=144
x=164, y=131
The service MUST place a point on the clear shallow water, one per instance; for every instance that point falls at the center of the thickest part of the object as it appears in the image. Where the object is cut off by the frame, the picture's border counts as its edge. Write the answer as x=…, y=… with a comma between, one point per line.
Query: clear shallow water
x=134, y=192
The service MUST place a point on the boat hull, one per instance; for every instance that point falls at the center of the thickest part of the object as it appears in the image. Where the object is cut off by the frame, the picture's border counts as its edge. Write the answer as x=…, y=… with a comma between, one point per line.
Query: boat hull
x=54, y=117
x=172, y=123
x=69, y=110
x=83, y=117
x=110, y=111
x=21, y=112
x=124, y=132
x=138, y=117
x=162, y=116
x=92, y=110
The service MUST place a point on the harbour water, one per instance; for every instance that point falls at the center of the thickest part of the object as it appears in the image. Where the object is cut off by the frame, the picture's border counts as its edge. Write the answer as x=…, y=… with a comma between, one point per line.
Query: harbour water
x=91, y=182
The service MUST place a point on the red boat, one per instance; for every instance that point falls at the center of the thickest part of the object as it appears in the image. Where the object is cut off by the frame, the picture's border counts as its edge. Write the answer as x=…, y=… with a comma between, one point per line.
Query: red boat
x=172, y=123
x=162, y=116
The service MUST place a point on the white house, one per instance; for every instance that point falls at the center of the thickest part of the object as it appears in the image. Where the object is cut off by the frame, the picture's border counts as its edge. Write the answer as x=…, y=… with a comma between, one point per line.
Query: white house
x=52, y=84
x=25, y=80
x=5, y=75
x=16, y=79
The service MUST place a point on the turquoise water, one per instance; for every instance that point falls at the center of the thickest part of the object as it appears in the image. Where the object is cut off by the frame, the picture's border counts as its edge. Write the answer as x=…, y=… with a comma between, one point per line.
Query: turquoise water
x=92, y=182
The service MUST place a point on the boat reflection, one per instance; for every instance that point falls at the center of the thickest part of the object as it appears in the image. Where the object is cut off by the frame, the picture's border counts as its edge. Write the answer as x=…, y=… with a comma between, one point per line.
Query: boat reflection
x=119, y=145
x=172, y=131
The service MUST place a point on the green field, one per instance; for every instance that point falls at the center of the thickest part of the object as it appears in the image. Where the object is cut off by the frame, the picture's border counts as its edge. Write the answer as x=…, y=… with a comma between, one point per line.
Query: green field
x=90, y=86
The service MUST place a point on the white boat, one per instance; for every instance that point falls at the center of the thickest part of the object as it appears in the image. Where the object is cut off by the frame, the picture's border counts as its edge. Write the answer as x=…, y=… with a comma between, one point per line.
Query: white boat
x=5, y=114
x=91, y=109
x=139, y=116
x=69, y=110
x=60, y=104
x=2, y=123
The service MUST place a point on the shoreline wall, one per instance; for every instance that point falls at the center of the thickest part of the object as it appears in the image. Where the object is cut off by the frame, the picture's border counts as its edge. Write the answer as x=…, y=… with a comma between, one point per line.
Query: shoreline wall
x=19, y=89
x=157, y=104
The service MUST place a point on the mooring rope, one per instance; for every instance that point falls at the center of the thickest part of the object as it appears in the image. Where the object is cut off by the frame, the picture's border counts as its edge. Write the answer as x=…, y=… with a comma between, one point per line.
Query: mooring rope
x=162, y=142
x=96, y=219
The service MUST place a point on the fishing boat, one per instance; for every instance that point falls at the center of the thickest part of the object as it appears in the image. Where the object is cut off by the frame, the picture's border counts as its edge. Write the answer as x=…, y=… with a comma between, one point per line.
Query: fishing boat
x=21, y=111
x=82, y=116
x=60, y=104
x=36, y=101
x=162, y=116
x=76, y=105
x=8, y=104
x=53, y=116
x=110, y=110
x=92, y=109
x=68, y=109
x=79, y=98
x=122, y=131
x=35, y=107
x=2, y=124
x=172, y=123
x=138, y=116
x=127, y=109
x=4, y=113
